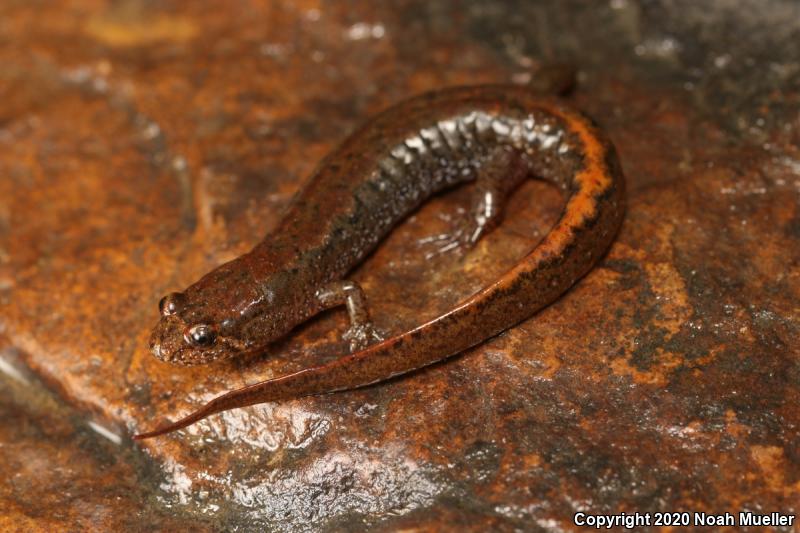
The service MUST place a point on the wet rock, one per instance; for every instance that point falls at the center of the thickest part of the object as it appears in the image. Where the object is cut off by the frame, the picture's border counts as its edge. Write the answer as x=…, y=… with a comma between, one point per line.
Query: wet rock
x=141, y=146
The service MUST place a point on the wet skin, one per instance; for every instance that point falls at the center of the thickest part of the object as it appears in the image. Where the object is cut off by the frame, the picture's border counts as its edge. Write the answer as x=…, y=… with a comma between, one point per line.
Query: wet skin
x=495, y=135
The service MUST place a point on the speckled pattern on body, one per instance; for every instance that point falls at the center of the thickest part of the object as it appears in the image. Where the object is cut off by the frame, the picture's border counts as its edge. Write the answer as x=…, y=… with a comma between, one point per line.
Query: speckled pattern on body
x=375, y=179
x=142, y=144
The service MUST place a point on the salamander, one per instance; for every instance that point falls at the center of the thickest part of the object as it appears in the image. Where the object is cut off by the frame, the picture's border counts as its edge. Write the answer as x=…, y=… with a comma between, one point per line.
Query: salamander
x=494, y=135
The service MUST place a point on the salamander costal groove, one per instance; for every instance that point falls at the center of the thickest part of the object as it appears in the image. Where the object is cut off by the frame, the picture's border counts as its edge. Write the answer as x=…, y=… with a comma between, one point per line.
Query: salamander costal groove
x=495, y=135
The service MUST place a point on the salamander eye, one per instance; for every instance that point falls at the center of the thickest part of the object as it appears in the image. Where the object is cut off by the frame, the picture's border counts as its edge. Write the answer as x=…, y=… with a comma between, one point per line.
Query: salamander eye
x=201, y=335
x=170, y=304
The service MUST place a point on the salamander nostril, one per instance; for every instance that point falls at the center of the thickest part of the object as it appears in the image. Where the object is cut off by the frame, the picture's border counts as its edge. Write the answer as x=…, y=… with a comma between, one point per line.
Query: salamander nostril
x=170, y=304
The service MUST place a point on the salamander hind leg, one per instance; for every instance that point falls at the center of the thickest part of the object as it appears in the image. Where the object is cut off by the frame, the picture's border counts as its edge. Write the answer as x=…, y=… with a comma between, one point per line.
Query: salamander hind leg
x=497, y=177
x=361, y=332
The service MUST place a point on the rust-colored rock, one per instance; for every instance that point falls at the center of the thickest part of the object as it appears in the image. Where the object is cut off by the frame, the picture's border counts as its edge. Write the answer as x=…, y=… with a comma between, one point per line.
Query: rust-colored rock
x=141, y=146
x=64, y=474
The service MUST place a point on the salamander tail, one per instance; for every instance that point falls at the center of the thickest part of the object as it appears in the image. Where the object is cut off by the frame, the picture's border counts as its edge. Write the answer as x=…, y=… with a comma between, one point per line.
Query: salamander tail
x=209, y=409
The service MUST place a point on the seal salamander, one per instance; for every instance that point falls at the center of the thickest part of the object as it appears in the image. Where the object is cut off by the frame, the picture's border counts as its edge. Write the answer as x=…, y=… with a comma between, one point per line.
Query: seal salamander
x=494, y=135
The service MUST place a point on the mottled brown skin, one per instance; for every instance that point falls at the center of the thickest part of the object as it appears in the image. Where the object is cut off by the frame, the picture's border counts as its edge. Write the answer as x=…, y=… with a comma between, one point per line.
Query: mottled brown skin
x=494, y=134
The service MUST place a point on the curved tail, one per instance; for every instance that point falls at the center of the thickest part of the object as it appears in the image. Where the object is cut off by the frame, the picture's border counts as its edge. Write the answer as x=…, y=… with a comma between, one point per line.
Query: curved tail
x=587, y=226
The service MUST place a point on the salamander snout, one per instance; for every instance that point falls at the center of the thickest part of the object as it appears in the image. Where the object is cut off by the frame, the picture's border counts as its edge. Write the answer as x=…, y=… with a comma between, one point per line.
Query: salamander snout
x=172, y=341
x=178, y=339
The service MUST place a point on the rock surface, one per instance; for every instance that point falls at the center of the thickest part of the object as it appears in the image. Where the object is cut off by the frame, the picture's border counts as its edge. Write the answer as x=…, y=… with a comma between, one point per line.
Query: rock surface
x=140, y=146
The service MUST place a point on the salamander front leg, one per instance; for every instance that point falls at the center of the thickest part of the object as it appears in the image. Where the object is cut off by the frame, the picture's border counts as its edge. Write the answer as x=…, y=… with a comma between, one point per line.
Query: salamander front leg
x=361, y=332
x=500, y=174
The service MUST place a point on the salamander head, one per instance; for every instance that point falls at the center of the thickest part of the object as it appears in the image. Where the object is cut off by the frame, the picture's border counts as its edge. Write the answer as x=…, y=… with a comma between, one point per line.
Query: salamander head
x=212, y=319
x=185, y=342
